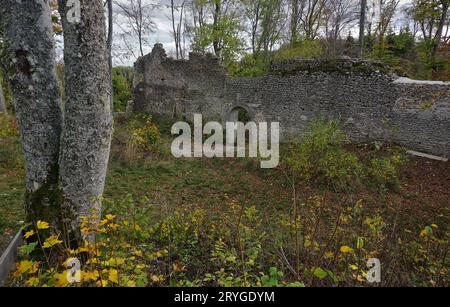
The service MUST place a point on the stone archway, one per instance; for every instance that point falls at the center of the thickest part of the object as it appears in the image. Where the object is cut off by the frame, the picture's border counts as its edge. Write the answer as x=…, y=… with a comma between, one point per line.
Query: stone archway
x=242, y=114
x=239, y=113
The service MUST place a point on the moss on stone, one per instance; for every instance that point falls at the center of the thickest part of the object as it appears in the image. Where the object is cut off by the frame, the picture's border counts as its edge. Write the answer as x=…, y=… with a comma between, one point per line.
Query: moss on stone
x=343, y=66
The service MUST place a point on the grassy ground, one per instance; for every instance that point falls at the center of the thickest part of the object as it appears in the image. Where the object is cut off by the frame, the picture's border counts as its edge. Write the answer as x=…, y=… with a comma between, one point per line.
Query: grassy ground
x=157, y=186
x=12, y=176
x=11, y=200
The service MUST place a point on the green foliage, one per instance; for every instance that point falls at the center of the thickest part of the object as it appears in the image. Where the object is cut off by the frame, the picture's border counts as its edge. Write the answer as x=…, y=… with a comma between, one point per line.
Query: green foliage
x=249, y=66
x=319, y=158
x=402, y=44
x=384, y=172
x=138, y=137
x=305, y=49
x=144, y=133
x=224, y=35
x=122, y=84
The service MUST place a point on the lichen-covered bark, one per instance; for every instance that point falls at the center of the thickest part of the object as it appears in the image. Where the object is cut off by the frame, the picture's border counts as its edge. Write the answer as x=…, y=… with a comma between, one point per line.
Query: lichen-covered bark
x=87, y=129
x=34, y=87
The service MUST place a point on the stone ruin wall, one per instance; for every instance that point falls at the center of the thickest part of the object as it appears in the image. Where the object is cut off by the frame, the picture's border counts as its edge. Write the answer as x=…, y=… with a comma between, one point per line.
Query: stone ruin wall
x=372, y=103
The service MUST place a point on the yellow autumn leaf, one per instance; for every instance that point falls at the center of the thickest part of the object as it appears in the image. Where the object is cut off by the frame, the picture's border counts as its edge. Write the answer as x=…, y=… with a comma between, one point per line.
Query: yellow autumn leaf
x=26, y=266
x=131, y=284
x=90, y=275
x=113, y=276
x=113, y=226
x=329, y=255
x=51, y=241
x=102, y=230
x=61, y=279
x=138, y=253
x=29, y=234
x=32, y=282
x=42, y=225
x=110, y=216
x=346, y=249
x=102, y=283
x=157, y=278
x=161, y=253
x=115, y=261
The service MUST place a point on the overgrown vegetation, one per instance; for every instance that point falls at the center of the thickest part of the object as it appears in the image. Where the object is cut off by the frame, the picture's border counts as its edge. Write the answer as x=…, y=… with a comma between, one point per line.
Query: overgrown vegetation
x=122, y=85
x=221, y=222
x=321, y=159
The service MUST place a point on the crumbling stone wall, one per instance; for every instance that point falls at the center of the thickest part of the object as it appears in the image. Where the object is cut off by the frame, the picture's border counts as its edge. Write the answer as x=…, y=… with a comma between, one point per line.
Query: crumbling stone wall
x=372, y=103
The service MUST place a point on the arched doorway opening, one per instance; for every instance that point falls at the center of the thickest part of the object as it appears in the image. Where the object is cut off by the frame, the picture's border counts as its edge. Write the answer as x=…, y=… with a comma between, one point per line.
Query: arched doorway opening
x=239, y=114
x=242, y=115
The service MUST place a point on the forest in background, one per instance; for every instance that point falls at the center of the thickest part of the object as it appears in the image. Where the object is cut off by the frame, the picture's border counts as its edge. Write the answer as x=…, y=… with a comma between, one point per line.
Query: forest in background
x=248, y=35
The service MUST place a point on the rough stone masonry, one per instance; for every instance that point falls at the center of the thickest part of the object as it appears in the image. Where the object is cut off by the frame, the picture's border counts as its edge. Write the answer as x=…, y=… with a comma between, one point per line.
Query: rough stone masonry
x=372, y=103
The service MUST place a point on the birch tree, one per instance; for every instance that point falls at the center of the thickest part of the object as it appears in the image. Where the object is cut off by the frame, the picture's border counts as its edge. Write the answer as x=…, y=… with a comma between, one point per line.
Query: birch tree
x=36, y=98
x=86, y=137
x=66, y=163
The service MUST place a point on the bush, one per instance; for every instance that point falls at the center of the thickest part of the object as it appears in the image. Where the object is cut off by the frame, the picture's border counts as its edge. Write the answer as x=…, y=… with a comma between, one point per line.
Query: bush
x=122, y=84
x=384, y=172
x=249, y=66
x=319, y=158
x=137, y=137
x=305, y=49
x=146, y=136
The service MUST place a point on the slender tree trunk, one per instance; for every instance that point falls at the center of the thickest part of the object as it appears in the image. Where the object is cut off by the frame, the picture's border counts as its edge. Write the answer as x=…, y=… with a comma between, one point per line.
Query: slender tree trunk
x=181, y=51
x=294, y=21
x=2, y=100
x=141, y=50
x=109, y=42
x=362, y=21
x=216, y=20
x=438, y=35
x=36, y=98
x=174, y=29
x=86, y=138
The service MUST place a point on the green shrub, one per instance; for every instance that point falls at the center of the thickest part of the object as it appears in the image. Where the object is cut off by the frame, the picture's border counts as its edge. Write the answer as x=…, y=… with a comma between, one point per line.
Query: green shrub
x=319, y=158
x=137, y=137
x=122, y=84
x=144, y=133
x=249, y=66
x=306, y=49
x=384, y=172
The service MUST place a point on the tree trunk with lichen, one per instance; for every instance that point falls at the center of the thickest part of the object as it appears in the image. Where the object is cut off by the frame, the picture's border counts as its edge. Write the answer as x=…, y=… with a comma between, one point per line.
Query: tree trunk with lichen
x=86, y=137
x=34, y=87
